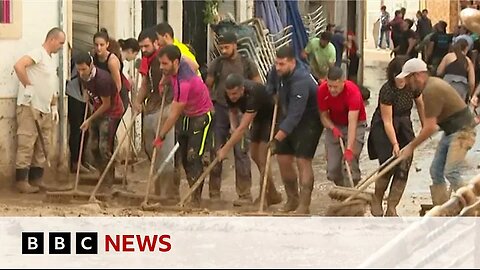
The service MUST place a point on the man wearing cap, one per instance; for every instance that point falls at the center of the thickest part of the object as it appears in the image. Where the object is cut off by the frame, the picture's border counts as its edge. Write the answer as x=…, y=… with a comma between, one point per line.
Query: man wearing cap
x=445, y=108
x=229, y=62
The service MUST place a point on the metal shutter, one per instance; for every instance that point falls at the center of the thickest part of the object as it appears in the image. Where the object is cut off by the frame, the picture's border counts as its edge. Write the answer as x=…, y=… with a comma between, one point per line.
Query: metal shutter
x=85, y=23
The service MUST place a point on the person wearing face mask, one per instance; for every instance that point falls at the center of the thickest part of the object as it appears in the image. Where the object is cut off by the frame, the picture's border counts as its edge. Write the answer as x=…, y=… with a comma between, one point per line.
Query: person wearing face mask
x=390, y=130
x=102, y=123
x=299, y=127
x=37, y=94
x=342, y=112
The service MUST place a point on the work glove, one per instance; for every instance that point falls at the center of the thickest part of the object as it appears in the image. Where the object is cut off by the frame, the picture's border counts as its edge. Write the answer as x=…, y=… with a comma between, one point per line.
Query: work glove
x=337, y=133
x=273, y=146
x=348, y=155
x=158, y=142
x=28, y=94
x=55, y=116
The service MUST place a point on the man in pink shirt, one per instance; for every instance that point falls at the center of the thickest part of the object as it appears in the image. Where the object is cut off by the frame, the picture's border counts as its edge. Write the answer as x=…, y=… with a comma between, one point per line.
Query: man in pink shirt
x=191, y=110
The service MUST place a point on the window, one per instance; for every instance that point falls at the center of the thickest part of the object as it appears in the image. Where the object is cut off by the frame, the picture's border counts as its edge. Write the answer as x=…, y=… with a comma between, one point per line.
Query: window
x=5, y=11
x=10, y=19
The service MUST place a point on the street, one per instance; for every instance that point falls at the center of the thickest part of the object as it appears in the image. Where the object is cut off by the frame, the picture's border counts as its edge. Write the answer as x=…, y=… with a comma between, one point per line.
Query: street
x=416, y=193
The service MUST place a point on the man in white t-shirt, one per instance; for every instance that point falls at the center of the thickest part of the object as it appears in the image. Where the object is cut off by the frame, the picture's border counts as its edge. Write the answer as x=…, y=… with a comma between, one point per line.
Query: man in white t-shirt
x=38, y=88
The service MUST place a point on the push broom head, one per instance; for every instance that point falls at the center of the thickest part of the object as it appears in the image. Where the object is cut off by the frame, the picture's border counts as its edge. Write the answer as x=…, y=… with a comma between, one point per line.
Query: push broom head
x=353, y=208
x=342, y=193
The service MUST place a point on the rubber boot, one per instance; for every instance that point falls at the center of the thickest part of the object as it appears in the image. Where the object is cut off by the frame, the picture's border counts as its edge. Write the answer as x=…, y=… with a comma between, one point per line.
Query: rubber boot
x=107, y=183
x=35, y=177
x=439, y=193
x=196, y=197
x=272, y=196
x=22, y=184
x=377, y=200
x=291, y=188
x=394, y=197
x=305, y=199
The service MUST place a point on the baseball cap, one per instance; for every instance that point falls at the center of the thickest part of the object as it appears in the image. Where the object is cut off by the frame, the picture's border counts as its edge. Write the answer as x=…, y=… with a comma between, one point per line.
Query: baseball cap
x=411, y=66
x=227, y=38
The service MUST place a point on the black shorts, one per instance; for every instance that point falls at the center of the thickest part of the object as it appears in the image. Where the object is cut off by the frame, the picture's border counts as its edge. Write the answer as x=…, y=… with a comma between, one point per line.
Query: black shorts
x=260, y=130
x=303, y=141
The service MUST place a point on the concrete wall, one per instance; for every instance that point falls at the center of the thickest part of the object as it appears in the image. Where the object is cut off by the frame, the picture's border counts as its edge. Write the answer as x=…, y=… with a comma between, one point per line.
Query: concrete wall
x=38, y=17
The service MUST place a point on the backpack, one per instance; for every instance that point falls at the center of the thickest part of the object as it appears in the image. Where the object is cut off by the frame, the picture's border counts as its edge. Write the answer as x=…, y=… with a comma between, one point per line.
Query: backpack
x=247, y=72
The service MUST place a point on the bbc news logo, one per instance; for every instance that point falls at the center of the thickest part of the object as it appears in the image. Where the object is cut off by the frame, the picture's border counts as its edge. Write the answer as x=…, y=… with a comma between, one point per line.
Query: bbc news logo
x=88, y=243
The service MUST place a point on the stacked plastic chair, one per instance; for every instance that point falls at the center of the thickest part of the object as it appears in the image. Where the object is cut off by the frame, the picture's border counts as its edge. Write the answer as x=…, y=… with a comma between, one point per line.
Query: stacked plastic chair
x=260, y=46
x=315, y=22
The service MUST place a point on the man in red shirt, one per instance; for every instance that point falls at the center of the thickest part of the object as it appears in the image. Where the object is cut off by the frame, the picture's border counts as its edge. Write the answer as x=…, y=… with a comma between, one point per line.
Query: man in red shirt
x=343, y=115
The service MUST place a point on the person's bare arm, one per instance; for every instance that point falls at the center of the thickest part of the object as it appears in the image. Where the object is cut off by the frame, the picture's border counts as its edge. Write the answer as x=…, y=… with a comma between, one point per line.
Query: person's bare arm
x=411, y=44
x=209, y=81
x=326, y=121
x=233, y=117
x=352, y=129
x=21, y=69
x=471, y=77
x=420, y=109
x=141, y=95
x=387, y=118
x=99, y=112
x=442, y=65
x=237, y=135
x=114, y=67
x=429, y=51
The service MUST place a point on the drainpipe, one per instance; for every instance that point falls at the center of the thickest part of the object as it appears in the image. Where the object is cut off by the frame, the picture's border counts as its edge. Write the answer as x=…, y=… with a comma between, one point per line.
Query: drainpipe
x=62, y=150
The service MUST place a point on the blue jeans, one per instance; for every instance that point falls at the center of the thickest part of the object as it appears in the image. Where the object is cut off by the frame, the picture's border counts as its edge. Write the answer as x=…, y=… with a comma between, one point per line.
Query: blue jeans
x=450, y=156
x=385, y=33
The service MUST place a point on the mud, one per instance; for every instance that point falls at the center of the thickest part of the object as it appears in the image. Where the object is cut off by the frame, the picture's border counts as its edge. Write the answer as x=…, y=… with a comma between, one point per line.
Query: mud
x=416, y=193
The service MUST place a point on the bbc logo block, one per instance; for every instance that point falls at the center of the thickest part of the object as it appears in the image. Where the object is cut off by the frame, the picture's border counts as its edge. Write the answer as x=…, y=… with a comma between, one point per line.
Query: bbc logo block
x=59, y=243
x=32, y=243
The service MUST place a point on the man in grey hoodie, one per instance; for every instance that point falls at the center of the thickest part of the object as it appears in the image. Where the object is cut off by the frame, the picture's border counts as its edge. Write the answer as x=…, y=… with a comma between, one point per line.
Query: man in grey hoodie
x=299, y=127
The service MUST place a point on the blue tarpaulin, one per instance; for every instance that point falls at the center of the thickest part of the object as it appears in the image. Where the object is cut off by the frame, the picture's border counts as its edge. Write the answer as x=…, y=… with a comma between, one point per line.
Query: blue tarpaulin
x=282, y=11
x=267, y=10
x=299, y=36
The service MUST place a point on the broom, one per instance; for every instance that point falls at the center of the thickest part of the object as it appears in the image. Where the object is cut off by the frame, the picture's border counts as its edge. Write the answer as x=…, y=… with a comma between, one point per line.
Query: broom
x=267, y=163
x=341, y=193
x=63, y=196
x=355, y=205
x=92, y=198
x=154, y=153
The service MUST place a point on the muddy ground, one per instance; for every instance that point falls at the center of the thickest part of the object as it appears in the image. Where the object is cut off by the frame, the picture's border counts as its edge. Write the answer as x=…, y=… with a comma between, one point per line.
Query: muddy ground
x=12, y=204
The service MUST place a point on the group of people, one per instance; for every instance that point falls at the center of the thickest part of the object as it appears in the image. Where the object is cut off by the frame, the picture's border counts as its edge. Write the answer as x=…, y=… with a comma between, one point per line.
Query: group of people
x=328, y=50
x=233, y=109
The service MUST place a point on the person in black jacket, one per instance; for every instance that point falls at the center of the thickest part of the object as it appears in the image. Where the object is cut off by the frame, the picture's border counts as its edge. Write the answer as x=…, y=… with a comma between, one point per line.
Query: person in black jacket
x=299, y=128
